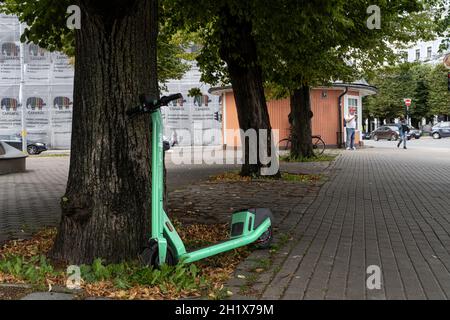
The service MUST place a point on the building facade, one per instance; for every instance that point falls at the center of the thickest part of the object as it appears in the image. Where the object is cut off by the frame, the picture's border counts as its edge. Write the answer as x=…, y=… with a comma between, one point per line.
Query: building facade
x=425, y=52
x=328, y=104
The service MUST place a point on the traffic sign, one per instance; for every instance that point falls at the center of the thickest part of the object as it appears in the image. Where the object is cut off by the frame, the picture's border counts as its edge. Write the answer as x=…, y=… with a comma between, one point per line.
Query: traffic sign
x=407, y=102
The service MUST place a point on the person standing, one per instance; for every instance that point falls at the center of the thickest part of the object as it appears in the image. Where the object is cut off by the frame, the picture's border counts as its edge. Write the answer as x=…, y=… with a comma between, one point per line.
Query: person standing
x=350, y=126
x=403, y=130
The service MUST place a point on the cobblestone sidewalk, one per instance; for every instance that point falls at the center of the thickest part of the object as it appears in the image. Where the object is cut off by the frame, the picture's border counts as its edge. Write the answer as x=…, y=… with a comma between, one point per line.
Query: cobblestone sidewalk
x=30, y=201
x=388, y=208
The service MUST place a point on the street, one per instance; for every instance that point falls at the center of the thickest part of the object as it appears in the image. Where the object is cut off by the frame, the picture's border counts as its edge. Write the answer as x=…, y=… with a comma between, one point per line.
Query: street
x=426, y=144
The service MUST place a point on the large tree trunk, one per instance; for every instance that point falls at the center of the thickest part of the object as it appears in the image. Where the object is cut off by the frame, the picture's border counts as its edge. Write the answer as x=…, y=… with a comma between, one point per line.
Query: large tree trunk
x=301, y=114
x=105, y=208
x=238, y=50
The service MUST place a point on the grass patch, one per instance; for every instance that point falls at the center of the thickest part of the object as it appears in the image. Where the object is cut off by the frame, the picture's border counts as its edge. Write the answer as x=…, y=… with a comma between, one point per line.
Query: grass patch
x=282, y=240
x=51, y=155
x=285, y=176
x=25, y=261
x=113, y=278
x=320, y=158
x=295, y=177
x=261, y=265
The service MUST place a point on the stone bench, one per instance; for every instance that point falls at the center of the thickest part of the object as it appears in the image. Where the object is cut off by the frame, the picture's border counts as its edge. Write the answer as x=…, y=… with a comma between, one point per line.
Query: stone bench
x=11, y=159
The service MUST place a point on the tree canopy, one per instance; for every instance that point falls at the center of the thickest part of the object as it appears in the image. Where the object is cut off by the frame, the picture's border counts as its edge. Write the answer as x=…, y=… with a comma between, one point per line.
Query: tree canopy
x=439, y=96
x=425, y=84
x=315, y=41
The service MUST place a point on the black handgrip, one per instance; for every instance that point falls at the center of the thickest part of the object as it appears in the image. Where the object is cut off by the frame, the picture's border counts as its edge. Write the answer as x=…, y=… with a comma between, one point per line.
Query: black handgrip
x=166, y=99
x=134, y=111
x=150, y=105
x=147, y=99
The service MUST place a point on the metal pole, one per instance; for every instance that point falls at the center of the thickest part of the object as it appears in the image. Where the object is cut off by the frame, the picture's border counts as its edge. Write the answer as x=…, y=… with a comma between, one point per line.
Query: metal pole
x=21, y=102
x=407, y=115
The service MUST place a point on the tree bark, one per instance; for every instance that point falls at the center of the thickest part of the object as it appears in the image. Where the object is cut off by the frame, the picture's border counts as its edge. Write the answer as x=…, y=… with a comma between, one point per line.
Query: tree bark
x=105, y=210
x=238, y=50
x=300, y=117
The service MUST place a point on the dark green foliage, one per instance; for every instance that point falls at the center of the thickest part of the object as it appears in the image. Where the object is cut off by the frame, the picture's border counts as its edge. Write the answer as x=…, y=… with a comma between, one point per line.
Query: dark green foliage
x=424, y=84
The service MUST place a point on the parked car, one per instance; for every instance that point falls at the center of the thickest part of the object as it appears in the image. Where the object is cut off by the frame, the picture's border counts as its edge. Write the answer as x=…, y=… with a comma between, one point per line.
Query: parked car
x=441, y=130
x=413, y=132
x=166, y=144
x=365, y=135
x=33, y=147
x=389, y=132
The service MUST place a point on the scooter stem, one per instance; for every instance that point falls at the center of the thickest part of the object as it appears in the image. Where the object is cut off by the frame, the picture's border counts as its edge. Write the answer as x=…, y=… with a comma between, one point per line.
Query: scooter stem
x=157, y=175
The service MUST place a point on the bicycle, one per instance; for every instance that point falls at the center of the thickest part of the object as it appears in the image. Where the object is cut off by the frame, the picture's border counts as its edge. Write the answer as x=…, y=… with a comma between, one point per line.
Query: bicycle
x=317, y=142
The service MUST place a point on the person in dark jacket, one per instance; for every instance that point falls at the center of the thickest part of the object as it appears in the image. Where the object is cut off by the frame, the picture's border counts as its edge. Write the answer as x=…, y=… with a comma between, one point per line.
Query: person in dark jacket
x=403, y=130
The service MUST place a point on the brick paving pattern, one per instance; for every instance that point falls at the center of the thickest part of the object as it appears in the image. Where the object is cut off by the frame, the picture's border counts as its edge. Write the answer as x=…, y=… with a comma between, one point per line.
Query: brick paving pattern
x=388, y=208
x=30, y=201
x=384, y=207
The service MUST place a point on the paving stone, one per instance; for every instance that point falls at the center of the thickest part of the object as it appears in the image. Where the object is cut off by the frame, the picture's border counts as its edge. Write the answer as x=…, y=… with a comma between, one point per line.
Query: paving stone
x=48, y=296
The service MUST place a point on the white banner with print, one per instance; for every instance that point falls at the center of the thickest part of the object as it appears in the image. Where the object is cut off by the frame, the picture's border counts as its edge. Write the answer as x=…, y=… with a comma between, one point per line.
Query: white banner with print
x=47, y=90
x=9, y=50
x=37, y=112
x=61, y=115
x=192, y=120
x=10, y=111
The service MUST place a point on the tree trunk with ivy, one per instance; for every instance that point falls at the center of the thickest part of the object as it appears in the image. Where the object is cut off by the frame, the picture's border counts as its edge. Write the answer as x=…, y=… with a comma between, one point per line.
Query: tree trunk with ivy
x=238, y=50
x=105, y=207
x=300, y=118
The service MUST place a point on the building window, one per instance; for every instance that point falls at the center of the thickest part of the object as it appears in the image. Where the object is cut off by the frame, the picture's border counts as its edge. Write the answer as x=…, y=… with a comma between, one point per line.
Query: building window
x=429, y=52
x=418, y=54
x=352, y=102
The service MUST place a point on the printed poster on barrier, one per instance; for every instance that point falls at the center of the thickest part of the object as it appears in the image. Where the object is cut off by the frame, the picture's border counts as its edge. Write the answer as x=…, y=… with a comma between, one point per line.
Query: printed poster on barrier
x=192, y=120
x=61, y=116
x=62, y=71
x=38, y=64
x=10, y=111
x=9, y=51
x=37, y=113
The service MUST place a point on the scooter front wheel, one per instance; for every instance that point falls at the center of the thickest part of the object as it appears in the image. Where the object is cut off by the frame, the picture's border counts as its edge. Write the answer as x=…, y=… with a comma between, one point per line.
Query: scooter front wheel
x=265, y=240
x=150, y=256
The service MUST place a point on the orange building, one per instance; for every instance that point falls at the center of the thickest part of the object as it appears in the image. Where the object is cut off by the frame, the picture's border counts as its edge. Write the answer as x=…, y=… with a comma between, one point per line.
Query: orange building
x=328, y=116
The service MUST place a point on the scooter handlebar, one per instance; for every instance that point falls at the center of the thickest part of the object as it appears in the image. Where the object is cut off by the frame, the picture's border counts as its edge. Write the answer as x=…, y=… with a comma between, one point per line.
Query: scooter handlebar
x=149, y=105
x=136, y=110
x=133, y=111
x=166, y=99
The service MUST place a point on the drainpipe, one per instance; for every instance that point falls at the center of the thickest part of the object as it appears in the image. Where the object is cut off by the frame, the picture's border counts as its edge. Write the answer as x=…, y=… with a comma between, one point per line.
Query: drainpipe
x=224, y=120
x=340, y=133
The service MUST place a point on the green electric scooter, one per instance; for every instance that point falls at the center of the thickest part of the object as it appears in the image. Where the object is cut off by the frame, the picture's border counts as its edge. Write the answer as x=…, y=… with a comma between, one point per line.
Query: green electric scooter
x=247, y=226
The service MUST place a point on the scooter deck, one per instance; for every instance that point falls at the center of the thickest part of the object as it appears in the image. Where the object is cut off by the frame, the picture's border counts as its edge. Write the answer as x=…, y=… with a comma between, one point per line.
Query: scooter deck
x=226, y=245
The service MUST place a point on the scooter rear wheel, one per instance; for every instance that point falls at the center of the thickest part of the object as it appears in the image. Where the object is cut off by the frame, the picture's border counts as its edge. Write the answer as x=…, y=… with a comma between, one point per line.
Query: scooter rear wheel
x=150, y=256
x=265, y=240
